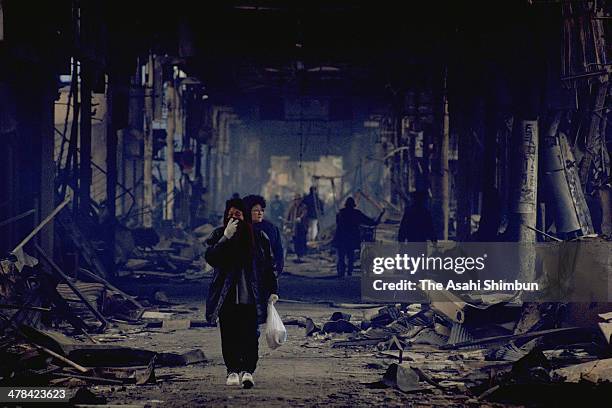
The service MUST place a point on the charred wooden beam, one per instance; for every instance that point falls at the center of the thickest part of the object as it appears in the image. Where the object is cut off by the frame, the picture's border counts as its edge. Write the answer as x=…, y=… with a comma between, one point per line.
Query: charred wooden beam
x=66, y=279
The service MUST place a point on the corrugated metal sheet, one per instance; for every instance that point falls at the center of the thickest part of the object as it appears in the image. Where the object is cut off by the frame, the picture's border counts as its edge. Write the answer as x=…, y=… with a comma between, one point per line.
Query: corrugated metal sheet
x=459, y=333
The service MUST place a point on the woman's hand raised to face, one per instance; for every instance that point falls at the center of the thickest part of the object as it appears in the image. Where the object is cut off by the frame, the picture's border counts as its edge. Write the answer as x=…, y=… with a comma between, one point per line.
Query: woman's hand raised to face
x=231, y=228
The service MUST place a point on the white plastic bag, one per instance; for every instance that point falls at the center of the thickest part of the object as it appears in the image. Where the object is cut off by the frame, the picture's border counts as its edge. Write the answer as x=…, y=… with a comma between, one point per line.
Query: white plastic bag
x=276, y=334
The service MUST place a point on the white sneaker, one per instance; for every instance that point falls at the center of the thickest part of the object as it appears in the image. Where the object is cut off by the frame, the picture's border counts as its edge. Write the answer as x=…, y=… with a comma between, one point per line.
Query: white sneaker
x=247, y=380
x=232, y=379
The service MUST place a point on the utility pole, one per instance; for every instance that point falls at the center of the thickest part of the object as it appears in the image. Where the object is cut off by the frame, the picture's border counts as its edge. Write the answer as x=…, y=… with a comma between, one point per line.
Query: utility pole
x=221, y=157
x=524, y=205
x=85, y=147
x=147, y=217
x=111, y=168
x=170, y=127
x=440, y=174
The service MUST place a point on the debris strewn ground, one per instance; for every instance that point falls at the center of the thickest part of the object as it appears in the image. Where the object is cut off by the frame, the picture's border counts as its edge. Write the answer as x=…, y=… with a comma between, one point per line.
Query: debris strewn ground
x=155, y=348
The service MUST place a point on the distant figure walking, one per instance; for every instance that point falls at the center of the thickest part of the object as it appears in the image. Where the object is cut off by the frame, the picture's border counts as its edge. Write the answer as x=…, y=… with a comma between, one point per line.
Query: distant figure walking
x=315, y=210
x=417, y=224
x=348, y=235
x=297, y=217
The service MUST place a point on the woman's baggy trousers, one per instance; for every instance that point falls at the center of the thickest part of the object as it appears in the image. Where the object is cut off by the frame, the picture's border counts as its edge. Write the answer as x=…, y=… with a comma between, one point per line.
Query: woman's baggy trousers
x=239, y=337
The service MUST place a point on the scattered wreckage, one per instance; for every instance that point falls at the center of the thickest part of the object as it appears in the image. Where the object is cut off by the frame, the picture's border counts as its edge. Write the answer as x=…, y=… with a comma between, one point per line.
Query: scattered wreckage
x=495, y=350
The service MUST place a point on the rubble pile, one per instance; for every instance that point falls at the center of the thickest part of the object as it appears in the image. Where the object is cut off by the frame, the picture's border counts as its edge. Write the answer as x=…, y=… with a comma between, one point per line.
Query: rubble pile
x=37, y=357
x=172, y=255
x=500, y=351
x=55, y=330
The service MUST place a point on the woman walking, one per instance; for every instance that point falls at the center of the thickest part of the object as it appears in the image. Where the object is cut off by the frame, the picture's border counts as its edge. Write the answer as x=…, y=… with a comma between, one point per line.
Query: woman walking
x=242, y=285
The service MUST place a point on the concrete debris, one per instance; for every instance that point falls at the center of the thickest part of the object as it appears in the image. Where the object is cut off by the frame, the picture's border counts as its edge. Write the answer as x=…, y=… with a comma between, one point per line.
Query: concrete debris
x=485, y=348
x=402, y=377
x=606, y=326
x=356, y=343
x=606, y=316
x=595, y=372
x=160, y=298
x=507, y=352
x=606, y=330
x=156, y=315
x=340, y=316
x=385, y=316
x=77, y=362
x=340, y=326
x=129, y=375
x=392, y=344
x=442, y=329
x=429, y=336
x=182, y=359
x=33, y=300
x=85, y=396
x=482, y=358
x=176, y=324
x=175, y=255
x=310, y=327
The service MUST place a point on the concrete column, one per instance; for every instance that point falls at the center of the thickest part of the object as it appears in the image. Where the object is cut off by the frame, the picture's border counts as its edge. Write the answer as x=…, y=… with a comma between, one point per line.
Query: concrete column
x=28, y=173
x=111, y=170
x=524, y=196
x=147, y=217
x=85, y=173
x=171, y=103
x=47, y=166
x=459, y=106
x=132, y=146
x=439, y=179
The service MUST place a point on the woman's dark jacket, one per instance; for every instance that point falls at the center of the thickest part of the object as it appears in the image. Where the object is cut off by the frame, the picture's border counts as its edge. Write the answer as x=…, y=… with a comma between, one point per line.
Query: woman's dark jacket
x=228, y=264
x=273, y=234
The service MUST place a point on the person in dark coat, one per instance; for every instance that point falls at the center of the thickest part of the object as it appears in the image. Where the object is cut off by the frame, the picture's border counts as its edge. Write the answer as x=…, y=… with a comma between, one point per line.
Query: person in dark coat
x=256, y=204
x=296, y=216
x=315, y=210
x=243, y=283
x=417, y=223
x=348, y=235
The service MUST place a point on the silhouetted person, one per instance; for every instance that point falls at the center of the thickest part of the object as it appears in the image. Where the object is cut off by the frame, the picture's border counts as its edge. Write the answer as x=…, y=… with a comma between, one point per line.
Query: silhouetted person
x=348, y=235
x=297, y=217
x=197, y=190
x=417, y=224
x=315, y=209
